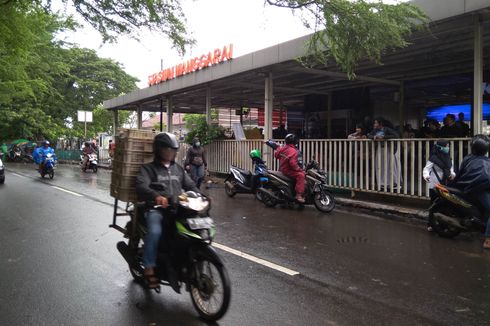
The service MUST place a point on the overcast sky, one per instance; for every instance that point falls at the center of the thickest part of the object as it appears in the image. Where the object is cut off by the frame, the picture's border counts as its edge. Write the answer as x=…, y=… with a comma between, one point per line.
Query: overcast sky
x=248, y=24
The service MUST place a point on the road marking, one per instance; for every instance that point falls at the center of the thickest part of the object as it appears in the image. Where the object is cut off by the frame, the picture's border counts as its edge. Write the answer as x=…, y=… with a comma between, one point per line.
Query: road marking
x=21, y=176
x=68, y=191
x=256, y=260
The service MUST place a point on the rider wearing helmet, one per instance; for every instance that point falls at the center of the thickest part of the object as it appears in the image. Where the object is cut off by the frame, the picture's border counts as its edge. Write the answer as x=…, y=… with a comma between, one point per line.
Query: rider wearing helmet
x=289, y=166
x=172, y=178
x=87, y=150
x=41, y=153
x=256, y=156
x=474, y=178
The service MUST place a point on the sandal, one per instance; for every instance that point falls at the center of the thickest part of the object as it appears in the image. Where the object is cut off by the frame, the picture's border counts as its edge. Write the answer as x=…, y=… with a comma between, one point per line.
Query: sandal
x=486, y=243
x=152, y=282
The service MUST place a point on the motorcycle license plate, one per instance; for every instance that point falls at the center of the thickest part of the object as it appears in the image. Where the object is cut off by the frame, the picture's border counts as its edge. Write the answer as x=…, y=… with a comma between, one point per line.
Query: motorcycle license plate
x=200, y=223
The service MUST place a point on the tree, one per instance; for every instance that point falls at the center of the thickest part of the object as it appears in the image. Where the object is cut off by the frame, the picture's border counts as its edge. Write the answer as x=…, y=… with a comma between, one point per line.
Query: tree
x=199, y=128
x=112, y=18
x=353, y=30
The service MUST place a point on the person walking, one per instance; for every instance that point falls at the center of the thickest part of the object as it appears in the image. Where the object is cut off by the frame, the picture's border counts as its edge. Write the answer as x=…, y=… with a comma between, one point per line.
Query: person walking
x=195, y=162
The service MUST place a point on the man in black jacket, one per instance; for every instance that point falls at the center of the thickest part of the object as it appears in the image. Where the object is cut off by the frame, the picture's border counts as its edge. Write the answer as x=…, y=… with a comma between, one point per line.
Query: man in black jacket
x=473, y=178
x=172, y=179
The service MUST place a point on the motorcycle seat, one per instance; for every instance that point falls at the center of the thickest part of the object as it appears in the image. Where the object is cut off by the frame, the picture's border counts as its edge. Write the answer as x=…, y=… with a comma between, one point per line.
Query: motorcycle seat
x=282, y=176
x=242, y=171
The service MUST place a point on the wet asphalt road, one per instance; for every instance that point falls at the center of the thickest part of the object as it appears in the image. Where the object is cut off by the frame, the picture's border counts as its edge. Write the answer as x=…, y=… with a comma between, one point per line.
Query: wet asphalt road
x=59, y=264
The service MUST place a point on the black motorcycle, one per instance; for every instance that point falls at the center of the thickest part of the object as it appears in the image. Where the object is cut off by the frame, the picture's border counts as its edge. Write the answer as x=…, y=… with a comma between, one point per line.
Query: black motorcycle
x=280, y=189
x=241, y=181
x=185, y=255
x=452, y=213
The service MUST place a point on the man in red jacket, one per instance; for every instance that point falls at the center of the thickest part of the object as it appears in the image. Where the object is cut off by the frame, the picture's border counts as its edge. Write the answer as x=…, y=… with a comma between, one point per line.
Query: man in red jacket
x=288, y=159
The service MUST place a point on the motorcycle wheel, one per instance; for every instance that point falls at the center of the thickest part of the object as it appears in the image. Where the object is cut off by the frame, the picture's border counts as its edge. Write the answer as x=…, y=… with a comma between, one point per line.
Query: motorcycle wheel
x=51, y=174
x=95, y=169
x=42, y=175
x=136, y=269
x=268, y=200
x=324, y=201
x=443, y=229
x=211, y=291
x=230, y=191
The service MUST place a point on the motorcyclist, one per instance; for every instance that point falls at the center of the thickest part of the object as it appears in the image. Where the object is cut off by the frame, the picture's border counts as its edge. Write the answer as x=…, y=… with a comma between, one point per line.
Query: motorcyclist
x=288, y=156
x=87, y=150
x=41, y=153
x=473, y=178
x=172, y=177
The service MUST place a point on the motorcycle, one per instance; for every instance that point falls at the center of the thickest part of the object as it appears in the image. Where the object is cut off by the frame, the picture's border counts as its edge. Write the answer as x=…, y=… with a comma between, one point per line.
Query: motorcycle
x=185, y=256
x=452, y=213
x=280, y=189
x=2, y=170
x=49, y=166
x=15, y=154
x=91, y=164
x=241, y=181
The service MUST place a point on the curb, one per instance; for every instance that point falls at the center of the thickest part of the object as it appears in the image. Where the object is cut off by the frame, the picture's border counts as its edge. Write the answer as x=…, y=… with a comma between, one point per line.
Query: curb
x=399, y=211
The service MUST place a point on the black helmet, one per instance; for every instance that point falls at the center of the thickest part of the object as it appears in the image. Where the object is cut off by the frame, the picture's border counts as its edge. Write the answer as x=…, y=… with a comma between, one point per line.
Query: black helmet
x=480, y=145
x=165, y=139
x=291, y=139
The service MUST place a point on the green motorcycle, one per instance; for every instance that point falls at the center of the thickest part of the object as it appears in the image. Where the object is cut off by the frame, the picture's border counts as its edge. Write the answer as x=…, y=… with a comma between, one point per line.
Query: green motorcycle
x=185, y=256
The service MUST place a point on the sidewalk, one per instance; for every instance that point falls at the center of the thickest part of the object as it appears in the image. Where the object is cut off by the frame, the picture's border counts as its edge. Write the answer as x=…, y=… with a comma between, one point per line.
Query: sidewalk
x=406, y=209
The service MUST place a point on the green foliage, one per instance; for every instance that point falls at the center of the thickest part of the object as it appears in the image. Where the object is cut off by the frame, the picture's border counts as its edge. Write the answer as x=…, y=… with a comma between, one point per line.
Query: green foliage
x=199, y=128
x=43, y=83
x=353, y=30
x=112, y=18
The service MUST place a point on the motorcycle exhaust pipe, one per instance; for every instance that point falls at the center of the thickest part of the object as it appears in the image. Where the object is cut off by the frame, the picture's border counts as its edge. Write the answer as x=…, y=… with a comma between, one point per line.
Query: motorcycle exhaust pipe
x=123, y=249
x=449, y=220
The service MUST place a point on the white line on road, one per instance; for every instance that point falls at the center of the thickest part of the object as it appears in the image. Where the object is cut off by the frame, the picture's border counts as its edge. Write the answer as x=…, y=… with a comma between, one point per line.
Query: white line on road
x=256, y=260
x=68, y=191
x=21, y=176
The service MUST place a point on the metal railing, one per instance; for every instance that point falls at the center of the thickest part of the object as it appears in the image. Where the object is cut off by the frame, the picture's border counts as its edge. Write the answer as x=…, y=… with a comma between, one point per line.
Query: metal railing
x=391, y=167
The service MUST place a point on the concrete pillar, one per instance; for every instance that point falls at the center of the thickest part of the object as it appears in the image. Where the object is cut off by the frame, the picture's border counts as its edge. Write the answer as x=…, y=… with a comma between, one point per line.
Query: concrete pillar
x=268, y=106
x=139, y=120
x=170, y=113
x=115, y=122
x=208, y=105
x=329, y=115
x=161, y=114
x=477, y=114
x=401, y=107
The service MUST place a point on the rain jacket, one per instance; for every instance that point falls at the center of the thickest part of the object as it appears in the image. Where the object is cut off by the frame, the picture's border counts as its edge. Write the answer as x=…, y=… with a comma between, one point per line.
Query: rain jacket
x=474, y=175
x=288, y=159
x=40, y=152
x=174, y=179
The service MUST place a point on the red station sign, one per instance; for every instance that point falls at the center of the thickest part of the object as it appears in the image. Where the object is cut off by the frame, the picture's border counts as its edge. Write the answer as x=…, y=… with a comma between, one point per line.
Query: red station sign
x=192, y=65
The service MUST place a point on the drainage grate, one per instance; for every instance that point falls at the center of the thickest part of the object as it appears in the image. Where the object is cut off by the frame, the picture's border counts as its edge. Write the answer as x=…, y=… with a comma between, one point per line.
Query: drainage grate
x=352, y=239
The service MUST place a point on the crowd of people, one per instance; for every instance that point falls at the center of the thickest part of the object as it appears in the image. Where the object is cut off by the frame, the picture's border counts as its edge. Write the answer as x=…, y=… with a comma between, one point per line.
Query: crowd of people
x=451, y=128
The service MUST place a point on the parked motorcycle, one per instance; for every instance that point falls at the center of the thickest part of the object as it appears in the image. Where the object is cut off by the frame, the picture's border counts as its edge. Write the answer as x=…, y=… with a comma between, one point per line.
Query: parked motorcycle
x=241, y=181
x=2, y=170
x=49, y=166
x=452, y=213
x=15, y=154
x=91, y=164
x=185, y=254
x=280, y=189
